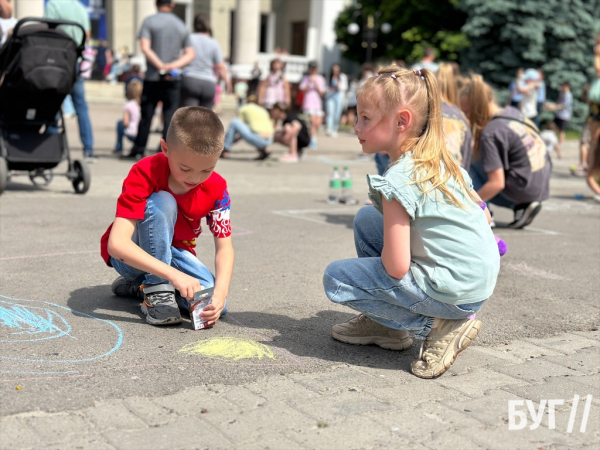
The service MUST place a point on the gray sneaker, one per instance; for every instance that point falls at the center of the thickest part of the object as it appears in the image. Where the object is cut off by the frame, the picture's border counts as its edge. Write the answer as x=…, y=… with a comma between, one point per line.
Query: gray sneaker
x=124, y=288
x=442, y=346
x=159, y=305
x=363, y=331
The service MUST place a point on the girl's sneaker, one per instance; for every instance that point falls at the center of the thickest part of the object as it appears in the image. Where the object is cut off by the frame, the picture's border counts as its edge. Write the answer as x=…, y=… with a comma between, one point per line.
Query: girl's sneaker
x=442, y=346
x=159, y=305
x=363, y=331
x=288, y=159
x=313, y=143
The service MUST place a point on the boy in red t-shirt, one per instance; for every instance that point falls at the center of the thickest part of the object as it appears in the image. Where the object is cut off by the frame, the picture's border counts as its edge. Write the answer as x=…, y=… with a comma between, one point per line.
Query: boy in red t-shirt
x=164, y=197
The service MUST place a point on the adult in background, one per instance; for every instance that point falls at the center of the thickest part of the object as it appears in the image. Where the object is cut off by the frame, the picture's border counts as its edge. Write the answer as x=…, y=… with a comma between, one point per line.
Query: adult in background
x=428, y=61
x=563, y=111
x=337, y=85
x=7, y=22
x=165, y=41
x=529, y=90
x=293, y=133
x=275, y=88
x=313, y=86
x=74, y=11
x=511, y=167
x=6, y=9
x=199, y=81
x=513, y=89
x=253, y=125
x=541, y=99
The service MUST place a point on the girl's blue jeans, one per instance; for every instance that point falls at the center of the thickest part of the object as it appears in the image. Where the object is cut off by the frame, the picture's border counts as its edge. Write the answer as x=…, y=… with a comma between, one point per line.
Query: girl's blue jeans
x=154, y=235
x=333, y=105
x=364, y=285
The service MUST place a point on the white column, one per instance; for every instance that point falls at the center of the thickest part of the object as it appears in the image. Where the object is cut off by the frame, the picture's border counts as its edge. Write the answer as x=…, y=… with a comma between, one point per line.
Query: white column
x=246, y=37
x=271, y=32
x=320, y=38
x=313, y=31
x=143, y=9
x=28, y=8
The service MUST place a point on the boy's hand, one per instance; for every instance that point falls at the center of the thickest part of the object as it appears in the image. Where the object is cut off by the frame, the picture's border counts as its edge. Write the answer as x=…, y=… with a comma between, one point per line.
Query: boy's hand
x=186, y=285
x=213, y=311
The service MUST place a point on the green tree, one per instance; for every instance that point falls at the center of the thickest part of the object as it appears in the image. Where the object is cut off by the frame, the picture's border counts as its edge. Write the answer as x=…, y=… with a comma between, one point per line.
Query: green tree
x=416, y=24
x=554, y=35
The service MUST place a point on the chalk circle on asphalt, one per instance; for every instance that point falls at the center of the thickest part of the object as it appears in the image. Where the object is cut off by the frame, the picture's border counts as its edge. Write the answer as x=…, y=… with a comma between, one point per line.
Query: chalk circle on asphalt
x=226, y=348
x=32, y=331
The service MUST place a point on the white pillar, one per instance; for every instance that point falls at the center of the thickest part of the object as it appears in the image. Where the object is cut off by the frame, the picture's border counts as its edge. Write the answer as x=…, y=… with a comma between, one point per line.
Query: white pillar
x=271, y=32
x=28, y=8
x=143, y=9
x=246, y=37
x=320, y=36
x=314, y=28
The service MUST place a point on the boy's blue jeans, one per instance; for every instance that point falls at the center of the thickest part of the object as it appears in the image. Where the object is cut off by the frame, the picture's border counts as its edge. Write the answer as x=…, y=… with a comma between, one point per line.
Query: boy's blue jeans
x=364, y=285
x=154, y=235
x=236, y=126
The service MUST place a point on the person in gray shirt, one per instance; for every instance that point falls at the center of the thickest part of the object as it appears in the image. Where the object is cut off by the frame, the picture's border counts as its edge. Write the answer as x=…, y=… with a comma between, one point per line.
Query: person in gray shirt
x=199, y=80
x=165, y=41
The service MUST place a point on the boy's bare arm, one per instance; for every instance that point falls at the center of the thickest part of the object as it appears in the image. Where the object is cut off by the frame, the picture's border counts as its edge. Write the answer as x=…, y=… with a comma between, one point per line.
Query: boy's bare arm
x=121, y=247
x=224, y=257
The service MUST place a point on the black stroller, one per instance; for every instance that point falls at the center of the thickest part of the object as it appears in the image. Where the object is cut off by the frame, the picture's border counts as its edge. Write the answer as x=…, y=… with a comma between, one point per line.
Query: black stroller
x=38, y=67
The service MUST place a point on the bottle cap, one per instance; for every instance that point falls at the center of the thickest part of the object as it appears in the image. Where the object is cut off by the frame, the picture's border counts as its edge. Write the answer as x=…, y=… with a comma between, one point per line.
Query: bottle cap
x=335, y=168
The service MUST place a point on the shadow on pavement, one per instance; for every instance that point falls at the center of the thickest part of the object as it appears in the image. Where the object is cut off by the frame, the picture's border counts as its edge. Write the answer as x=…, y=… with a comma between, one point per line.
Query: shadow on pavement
x=340, y=219
x=311, y=337
x=90, y=299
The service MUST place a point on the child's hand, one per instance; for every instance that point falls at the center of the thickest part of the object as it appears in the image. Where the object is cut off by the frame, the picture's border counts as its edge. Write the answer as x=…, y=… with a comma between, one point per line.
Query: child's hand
x=186, y=285
x=213, y=311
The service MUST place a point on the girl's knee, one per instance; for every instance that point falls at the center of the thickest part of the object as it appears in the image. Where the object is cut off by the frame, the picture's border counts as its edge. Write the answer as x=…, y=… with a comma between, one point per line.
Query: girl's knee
x=365, y=217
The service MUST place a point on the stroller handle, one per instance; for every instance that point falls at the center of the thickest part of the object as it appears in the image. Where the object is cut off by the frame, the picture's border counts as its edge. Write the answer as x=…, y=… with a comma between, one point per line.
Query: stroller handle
x=52, y=24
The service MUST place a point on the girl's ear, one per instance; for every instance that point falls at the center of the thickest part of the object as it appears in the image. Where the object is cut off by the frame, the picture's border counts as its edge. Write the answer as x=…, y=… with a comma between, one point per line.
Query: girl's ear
x=404, y=120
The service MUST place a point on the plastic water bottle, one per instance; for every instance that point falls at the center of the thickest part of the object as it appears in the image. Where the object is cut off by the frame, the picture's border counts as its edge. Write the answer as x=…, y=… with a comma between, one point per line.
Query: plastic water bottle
x=347, y=196
x=335, y=186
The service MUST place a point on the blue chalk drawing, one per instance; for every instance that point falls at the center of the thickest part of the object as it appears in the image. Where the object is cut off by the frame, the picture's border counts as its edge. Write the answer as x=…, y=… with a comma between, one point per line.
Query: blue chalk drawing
x=22, y=321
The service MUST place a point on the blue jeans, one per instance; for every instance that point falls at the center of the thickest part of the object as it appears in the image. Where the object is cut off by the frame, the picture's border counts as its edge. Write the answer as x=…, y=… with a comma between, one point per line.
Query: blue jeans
x=382, y=162
x=120, y=135
x=333, y=105
x=83, y=118
x=364, y=285
x=479, y=178
x=238, y=127
x=67, y=106
x=154, y=235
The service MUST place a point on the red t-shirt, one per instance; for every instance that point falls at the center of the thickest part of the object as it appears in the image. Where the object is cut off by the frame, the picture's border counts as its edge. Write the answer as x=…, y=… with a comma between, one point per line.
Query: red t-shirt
x=210, y=200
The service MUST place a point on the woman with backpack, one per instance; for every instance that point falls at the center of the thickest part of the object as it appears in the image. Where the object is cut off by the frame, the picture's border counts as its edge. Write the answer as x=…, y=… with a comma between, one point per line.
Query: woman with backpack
x=510, y=165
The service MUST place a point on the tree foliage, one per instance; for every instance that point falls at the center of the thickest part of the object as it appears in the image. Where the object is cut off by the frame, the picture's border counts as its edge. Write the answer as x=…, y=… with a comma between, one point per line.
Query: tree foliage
x=554, y=35
x=416, y=24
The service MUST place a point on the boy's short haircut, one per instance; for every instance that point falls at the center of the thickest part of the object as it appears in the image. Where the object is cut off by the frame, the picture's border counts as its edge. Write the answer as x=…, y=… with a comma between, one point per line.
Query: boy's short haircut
x=281, y=106
x=198, y=129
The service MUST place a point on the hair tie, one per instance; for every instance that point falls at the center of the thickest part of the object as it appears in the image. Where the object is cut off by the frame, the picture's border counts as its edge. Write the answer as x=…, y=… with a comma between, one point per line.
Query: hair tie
x=418, y=73
x=375, y=74
x=393, y=76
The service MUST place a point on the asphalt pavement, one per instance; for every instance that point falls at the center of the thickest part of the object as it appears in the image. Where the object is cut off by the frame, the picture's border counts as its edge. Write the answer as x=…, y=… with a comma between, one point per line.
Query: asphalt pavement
x=80, y=368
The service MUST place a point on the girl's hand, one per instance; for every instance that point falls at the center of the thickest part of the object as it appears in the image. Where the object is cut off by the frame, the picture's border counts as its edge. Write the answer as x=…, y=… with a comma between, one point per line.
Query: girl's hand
x=213, y=311
x=186, y=285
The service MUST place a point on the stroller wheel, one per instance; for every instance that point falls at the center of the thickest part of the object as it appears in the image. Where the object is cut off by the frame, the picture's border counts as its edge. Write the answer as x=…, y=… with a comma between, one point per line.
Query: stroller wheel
x=83, y=177
x=41, y=177
x=3, y=174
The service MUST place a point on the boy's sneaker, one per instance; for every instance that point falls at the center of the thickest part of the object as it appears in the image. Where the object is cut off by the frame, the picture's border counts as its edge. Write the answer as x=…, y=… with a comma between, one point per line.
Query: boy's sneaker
x=363, y=331
x=524, y=214
x=159, y=305
x=124, y=288
x=442, y=345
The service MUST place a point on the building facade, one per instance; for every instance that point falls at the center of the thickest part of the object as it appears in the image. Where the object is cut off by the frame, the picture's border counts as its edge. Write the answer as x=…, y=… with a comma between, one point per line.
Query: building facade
x=248, y=31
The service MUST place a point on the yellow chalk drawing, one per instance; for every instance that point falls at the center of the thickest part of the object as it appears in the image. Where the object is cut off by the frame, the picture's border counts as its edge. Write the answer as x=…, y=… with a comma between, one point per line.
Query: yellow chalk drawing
x=229, y=348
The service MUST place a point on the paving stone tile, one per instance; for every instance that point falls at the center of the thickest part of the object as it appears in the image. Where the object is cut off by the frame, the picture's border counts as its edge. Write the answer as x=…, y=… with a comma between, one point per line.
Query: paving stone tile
x=595, y=335
x=246, y=426
x=151, y=413
x=270, y=441
x=113, y=415
x=523, y=350
x=535, y=370
x=419, y=391
x=450, y=440
x=585, y=361
x=475, y=383
x=192, y=401
x=181, y=433
x=490, y=409
x=243, y=398
x=350, y=433
x=339, y=380
x=555, y=388
x=331, y=409
x=565, y=343
x=16, y=434
x=56, y=428
x=85, y=442
x=280, y=389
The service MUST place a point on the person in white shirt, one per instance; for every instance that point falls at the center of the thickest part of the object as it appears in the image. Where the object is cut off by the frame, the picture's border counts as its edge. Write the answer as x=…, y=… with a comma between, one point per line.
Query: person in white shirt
x=548, y=135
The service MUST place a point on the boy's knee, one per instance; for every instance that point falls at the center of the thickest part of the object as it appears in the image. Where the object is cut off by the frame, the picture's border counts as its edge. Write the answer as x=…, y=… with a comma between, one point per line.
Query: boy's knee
x=331, y=278
x=162, y=202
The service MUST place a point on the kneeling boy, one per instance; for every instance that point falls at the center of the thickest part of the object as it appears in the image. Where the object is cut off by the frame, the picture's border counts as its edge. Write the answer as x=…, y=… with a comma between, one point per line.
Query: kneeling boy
x=151, y=241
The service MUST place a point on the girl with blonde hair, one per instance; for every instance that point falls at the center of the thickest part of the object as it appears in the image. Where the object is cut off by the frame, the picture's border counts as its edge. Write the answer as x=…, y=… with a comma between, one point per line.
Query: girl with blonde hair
x=128, y=125
x=456, y=127
x=511, y=167
x=427, y=258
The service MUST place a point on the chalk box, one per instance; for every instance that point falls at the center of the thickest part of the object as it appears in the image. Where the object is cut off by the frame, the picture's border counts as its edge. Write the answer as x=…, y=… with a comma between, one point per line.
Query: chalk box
x=201, y=300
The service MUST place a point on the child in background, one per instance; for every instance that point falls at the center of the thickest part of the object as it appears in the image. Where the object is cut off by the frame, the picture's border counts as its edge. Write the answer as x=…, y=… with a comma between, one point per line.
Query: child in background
x=152, y=239
x=128, y=126
x=427, y=258
x=548, y=135
x=241, y=92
